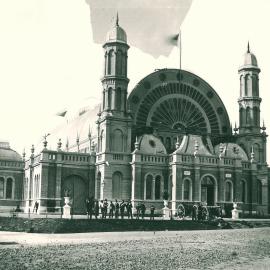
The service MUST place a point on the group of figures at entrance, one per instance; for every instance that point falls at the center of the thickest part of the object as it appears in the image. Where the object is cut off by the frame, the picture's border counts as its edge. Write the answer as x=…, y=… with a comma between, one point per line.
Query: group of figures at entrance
x=124, y=209
x=116, y=209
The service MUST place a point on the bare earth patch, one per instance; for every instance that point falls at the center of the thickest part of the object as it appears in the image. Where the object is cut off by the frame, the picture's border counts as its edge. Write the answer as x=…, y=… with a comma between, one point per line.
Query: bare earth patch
x=221, y=249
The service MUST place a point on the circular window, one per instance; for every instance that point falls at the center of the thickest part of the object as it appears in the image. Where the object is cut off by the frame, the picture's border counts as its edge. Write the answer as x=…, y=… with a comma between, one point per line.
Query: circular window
x=147, y=85
x=162, y=77
x=196, y=82
x=152, y=143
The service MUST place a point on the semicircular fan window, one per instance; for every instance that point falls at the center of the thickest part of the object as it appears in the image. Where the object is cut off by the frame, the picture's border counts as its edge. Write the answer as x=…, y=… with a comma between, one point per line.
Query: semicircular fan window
x=179, y=114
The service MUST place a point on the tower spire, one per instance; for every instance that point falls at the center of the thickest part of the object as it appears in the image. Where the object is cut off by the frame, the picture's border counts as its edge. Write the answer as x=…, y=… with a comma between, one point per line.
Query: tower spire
x=248, y=49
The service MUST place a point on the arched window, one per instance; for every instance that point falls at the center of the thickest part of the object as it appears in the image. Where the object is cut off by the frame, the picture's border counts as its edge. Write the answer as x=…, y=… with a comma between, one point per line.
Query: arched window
x=9, y=188
x=248, y=116
x=187, y=190
x=110, y=98
x=157, y=187
x=256, y=116
x=2, y=183
x=117, y=141
x=256, y=150
x=242, y=117
x=110, y=62
x=119, y=62
x=255, y=85
x=259, y=192
x=118, y=93
x=148, y=187
x=243, y=191
x=228, y=191
x=116, y=185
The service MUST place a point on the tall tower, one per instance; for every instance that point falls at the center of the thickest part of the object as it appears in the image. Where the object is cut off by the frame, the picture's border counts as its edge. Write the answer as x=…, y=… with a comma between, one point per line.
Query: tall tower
x=250, y=135
x=115, y=79
x=114, y=121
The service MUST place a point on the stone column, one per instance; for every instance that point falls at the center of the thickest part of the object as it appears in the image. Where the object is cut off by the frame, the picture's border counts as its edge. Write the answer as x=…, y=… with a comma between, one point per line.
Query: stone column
x=197, y=182
x=254, y=187
x=58, y=182
x=44, y=187
x=174, y=182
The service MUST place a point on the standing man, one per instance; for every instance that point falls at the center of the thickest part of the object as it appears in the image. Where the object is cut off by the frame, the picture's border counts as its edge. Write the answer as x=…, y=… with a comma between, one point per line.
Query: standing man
x=111, y=209
x=143, y=208
x=129, y=209
x=138, y=210
x=152, y=212
x=105, y=208
x=116, y=209
x=122, y=209
x=194, y=212
x=96, y=209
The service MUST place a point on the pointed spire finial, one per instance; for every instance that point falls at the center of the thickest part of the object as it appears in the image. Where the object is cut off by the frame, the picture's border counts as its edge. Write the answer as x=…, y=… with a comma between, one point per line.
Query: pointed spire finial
x=67, y=144
x=117, y=19
x=248, y=49
x=136, y=143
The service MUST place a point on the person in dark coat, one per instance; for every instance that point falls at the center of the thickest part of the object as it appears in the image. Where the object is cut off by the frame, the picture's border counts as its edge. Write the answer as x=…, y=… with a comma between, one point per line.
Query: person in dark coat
x=138, y=210
x=36, y=205
x=105, y=208
x=129, y=210
x=194, y=212
x=152, y=212
x=96, y=209
x=143, y=208
x=111, y=209
x=122, y=209
x=200, y=212
x=117, y=206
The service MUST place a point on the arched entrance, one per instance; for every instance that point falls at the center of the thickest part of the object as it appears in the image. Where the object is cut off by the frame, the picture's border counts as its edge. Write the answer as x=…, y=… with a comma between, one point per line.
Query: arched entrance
x=78, y=193
x=208, y=190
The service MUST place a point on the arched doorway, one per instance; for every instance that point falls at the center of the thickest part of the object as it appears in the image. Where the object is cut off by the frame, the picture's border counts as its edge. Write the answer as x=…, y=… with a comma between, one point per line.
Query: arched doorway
x=78, y=192
x=208, y=190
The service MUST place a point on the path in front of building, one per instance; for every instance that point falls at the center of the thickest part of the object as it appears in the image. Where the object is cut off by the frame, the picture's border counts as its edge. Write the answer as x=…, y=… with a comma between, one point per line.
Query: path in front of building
x=238, y=249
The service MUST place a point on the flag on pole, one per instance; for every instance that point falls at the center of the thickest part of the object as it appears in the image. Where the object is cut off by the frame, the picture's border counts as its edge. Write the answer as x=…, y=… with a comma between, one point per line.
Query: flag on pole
x=176, y=40
x=148, y=23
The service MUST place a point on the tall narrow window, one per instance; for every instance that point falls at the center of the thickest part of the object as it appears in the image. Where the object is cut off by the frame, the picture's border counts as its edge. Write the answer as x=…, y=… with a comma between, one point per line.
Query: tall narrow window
x=118, y=98
x=228, y=191
x=2, y=182
x=9, y=188
x=187, y=190
x=148, y=186
x=243, y=191
x=157, y=187
x=259, y=191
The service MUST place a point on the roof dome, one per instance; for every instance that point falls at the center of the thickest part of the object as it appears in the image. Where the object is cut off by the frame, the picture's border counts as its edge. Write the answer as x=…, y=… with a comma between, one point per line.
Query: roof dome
x=249, y=60
x=6, y=153
x=231, y=150
x=151, y=145
x=116, y=34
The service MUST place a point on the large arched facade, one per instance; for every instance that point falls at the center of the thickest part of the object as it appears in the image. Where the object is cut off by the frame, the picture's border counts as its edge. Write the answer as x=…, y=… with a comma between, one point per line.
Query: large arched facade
x=174, y=102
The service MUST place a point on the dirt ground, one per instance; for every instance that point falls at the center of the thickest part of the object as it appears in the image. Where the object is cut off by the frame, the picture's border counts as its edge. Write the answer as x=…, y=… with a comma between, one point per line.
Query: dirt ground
x=221, y=249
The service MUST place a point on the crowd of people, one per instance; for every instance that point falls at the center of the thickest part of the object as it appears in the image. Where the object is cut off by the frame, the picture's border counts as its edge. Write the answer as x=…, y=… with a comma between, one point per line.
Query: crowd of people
x=116, y=209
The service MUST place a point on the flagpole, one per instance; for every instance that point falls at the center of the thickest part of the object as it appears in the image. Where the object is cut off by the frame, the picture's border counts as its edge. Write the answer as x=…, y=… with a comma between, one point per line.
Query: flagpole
x=180, y=50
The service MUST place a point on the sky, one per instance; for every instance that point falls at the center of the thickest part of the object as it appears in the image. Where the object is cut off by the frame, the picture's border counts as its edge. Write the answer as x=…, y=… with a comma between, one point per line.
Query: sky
x=48, y=60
